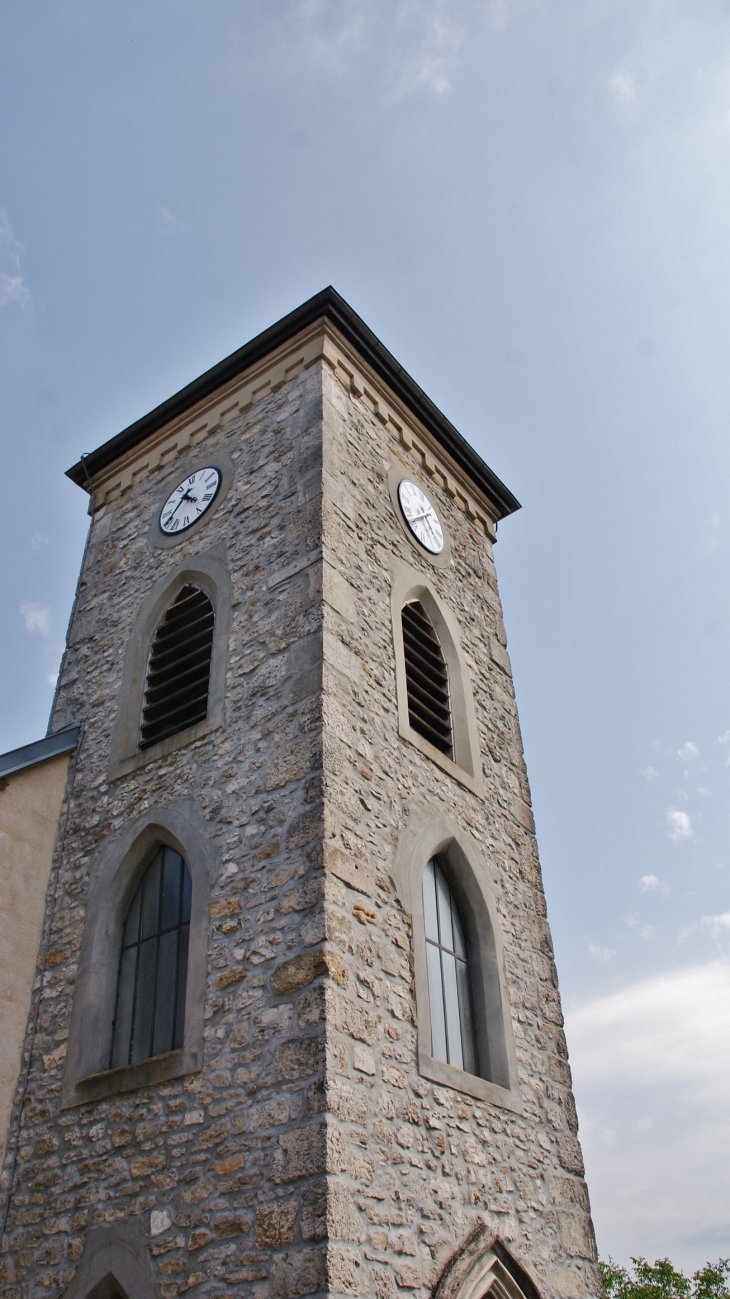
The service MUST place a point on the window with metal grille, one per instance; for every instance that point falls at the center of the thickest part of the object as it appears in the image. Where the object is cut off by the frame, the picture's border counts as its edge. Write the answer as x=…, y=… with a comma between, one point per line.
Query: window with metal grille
x=427, y=680
x=178, y=675
x=149, y=1015
x=449, y=982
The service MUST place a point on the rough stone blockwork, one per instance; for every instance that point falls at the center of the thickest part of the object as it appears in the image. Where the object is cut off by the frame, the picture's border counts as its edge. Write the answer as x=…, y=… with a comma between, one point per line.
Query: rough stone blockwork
x=308, y=1156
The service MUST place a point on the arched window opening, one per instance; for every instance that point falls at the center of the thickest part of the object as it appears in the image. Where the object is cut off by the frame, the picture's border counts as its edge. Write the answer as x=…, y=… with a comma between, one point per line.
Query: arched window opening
x=449, y=982
x=178, y=675
x=427, y=679
x=149, y=1015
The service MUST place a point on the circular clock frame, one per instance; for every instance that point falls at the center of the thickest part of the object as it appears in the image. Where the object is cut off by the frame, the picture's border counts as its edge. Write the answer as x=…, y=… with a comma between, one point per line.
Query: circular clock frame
x=397, y=473
x=198, y=489
x=175, y=476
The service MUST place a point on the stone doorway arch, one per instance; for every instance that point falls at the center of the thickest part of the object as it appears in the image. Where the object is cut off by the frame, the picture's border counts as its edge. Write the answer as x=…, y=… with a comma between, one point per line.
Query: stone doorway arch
x=484, y=1266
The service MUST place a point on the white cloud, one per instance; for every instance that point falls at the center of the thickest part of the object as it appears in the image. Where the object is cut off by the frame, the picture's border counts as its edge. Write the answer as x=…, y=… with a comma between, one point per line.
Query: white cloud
x=623, y=86
x=13, y=288
x=688, y=752
x=652, y=884
x=724, y=739
x=718, y=926
x=680, y=825
x=432, y=64
x=603, y=954
x=640, y=927
x=167, y=223
x=650, y=773
x=37, y=617
x=38, y=540
x=650, y=1064
x=52, y=678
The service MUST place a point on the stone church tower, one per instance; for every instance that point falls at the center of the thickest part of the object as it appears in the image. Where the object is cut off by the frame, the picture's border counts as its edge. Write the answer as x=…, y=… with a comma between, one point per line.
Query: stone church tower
x=295, y=1027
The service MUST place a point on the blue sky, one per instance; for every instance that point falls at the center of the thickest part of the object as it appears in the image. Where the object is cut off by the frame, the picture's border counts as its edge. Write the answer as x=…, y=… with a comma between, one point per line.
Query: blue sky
x=529, y=202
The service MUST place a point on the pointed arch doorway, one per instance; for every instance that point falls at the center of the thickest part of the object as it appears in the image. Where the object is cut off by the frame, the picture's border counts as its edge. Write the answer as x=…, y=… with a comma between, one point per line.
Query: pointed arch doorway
x=484, y=1266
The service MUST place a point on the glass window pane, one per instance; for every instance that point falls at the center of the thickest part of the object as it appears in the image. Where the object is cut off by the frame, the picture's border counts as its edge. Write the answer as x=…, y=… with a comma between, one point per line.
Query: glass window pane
x=151, y=898
x=125, y=999
x=181, y=982
x=443, y=892
x=451, y=998
x=145, y=1004
x=436, y=998
x=166, y=980
x=170, y=889
x=187, y=895
x=459, y=943
x=131, y=924
x=468, y=1043
x=429, y=903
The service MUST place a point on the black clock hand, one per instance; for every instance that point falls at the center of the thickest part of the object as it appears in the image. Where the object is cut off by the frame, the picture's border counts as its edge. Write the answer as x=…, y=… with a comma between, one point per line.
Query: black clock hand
x=186, y=497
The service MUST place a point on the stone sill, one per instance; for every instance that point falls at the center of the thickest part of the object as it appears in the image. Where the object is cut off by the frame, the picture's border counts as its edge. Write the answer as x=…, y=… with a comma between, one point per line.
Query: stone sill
x=446, y=1075
x=130, y=1077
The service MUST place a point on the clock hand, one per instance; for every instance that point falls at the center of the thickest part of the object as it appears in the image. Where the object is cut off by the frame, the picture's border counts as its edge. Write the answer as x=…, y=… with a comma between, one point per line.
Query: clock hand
x=186, y=497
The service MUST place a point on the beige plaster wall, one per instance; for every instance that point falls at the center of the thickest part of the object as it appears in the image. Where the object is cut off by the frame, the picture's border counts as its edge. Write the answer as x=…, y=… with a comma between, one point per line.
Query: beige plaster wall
x=30, y=805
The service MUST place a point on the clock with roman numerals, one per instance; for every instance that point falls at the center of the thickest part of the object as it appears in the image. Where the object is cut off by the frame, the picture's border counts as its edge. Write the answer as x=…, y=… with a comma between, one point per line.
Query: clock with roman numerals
x=190, y=499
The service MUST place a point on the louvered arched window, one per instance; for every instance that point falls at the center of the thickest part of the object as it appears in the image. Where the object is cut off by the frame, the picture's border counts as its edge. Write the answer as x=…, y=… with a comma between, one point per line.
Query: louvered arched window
x=449, y=978
x=178, y=674
x=427, y=679
x=149, y=1015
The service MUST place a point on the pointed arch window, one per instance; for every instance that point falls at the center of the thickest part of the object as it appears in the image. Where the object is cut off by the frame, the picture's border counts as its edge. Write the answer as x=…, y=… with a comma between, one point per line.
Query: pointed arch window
x=449, y=977
x=427, y=679
x=149, y=1015
x=178, y=673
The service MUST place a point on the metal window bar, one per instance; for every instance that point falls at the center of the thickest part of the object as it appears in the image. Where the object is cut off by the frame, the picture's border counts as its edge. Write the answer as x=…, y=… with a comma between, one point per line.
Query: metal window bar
x=149, y=1010
x=178, y=674
x=427, y=679
x=449, y=981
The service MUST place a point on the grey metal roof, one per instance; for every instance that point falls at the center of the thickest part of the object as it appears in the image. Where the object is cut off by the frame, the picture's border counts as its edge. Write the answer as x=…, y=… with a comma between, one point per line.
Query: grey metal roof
x=330, y=305
x=39, y=751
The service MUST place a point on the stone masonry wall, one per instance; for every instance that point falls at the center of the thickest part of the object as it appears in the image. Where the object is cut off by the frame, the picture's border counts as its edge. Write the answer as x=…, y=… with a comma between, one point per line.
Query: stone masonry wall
x=209, y=1166
x=421, y=1164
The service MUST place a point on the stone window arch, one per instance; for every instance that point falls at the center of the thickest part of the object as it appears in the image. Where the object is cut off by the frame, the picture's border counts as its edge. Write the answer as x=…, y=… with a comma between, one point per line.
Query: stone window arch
x=121, y=864
x=133, y=745
x=484, y=1265
x=443, y=726
x=490, y=1073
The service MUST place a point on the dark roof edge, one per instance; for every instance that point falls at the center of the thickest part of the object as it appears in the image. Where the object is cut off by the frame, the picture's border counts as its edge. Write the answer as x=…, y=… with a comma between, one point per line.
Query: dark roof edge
x=39, y=751
x=330, y=305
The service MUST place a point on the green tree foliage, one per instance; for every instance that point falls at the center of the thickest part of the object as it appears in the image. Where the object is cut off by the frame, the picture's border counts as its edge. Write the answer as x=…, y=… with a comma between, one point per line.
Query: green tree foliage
x=661, y=1280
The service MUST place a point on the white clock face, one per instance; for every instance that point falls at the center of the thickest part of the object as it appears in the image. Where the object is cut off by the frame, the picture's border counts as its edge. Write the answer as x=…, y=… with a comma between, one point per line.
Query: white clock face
x=421, y=517
x=190, y=499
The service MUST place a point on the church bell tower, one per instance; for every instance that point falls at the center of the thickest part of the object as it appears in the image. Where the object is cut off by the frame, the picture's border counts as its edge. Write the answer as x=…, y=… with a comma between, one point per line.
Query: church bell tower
x=295, y=1027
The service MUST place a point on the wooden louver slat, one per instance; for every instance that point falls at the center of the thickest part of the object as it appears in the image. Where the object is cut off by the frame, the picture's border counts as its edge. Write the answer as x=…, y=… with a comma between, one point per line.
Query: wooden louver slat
x=178, y=676
x=427, y=680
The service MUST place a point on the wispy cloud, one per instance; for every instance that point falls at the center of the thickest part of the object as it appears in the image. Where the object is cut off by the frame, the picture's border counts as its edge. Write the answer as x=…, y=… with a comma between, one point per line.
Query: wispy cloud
x=688, y=752
x=438, y=40
x=38, y=540
x=37, y=617
x=417, y=43
x=717, y=926
x=602, y=954
x=650, y=773
x=623, y=86
x=679, y=825
x=13, y=288
x=652, y=884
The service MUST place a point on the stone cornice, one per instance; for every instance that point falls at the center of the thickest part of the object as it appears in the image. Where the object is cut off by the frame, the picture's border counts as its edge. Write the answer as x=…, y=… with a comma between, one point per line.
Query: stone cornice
x=270, y=349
